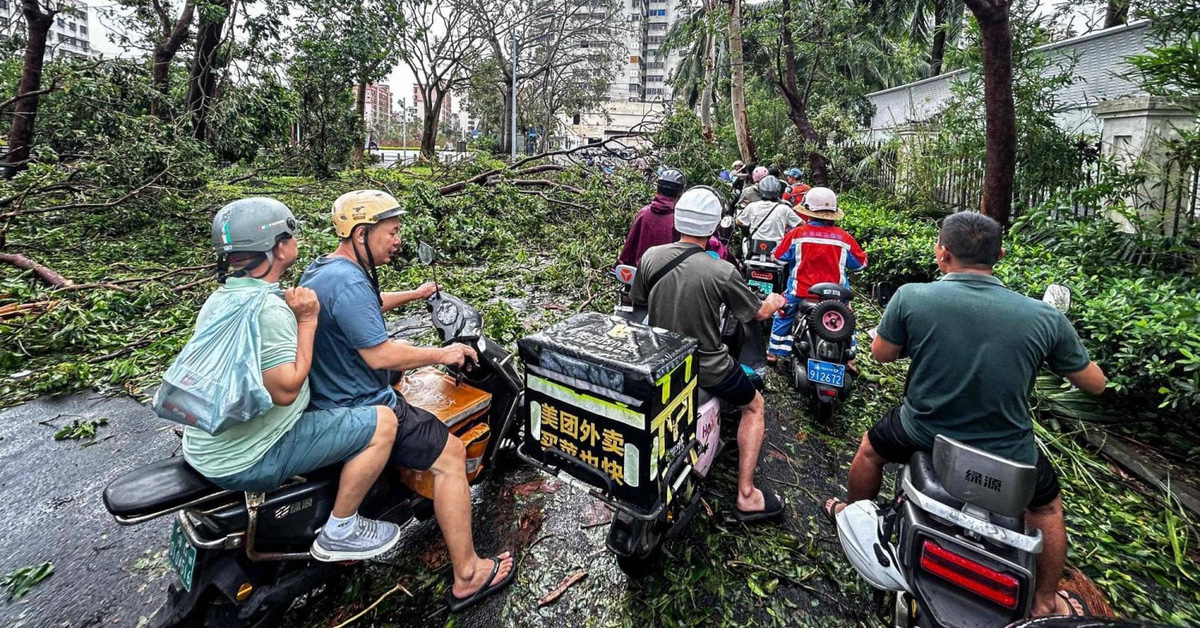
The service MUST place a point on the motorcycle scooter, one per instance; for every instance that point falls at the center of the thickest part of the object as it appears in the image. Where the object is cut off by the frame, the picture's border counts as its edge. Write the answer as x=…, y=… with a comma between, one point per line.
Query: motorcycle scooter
x=638, y=530
x=822, y=347
x=243, y=558
x=952, y=547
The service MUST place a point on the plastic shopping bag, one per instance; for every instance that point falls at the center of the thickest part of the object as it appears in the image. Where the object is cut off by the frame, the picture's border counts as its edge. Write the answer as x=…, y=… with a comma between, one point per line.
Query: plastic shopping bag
x=216, y=381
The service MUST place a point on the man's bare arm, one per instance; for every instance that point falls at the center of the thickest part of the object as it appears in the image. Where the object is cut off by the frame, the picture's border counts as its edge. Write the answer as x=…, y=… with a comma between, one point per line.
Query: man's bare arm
x=1090, y=380
x=393, y=300
x=395, y=356
x=884, y=351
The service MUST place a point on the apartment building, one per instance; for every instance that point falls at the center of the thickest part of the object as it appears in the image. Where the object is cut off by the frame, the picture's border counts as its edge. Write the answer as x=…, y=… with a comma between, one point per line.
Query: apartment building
x=68, y=37
x=648, y=69
x=377, y=112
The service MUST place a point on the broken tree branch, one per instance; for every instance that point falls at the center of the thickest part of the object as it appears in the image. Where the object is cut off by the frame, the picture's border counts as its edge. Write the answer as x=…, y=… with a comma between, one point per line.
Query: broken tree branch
x=47, y=275
x=137, y=344
x=87, y=206
x=116, y=284
x=562, y=588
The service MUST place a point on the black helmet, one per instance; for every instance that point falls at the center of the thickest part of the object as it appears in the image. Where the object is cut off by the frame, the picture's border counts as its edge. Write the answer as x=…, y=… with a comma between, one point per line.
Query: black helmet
x=771, y=188
x=671, y=182
x=774, y=171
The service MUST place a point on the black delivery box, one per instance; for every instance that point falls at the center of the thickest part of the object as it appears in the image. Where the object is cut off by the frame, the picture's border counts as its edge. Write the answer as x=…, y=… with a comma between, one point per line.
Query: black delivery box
x=616, y=397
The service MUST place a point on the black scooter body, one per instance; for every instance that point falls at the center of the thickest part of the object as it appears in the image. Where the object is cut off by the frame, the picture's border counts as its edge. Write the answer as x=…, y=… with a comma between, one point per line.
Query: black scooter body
x=248, y=569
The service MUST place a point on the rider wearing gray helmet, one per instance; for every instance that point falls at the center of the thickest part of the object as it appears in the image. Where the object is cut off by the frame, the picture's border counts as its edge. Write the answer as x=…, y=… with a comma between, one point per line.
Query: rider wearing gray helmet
x=245, y=231
x=255, y=243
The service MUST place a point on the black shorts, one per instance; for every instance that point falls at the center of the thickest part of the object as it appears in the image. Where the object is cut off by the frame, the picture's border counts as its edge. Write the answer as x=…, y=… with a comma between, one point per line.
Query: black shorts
x=735, y=388
x=420, y=437
x=889, y=439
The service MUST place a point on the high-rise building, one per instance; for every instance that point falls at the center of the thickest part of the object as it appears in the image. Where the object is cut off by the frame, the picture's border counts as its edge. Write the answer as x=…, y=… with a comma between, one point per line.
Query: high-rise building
x=419, y=104
x=68, y=37
x=377, y=112
x=647, y=68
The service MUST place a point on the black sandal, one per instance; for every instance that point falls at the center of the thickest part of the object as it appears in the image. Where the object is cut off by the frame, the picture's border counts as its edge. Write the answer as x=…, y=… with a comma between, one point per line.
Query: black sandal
x=772, y=507
x=459, y=603
x=1080, y=606
x=829, y=506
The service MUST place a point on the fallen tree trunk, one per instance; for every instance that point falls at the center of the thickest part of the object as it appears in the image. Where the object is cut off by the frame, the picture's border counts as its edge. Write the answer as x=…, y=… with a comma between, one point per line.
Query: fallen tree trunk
x=47, y=275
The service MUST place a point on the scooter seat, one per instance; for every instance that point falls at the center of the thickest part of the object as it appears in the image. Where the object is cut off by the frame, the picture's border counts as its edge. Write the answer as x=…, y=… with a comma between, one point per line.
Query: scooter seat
x=925, y=480
x=160, y=487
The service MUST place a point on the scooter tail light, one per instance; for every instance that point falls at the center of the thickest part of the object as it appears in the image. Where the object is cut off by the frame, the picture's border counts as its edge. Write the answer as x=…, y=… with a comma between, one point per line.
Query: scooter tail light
x=961, y=571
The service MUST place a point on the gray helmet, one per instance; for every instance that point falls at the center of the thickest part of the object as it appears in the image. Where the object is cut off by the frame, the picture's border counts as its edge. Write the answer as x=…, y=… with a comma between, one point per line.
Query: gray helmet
x=671, y=182
x=771, y=188
x=252, y=225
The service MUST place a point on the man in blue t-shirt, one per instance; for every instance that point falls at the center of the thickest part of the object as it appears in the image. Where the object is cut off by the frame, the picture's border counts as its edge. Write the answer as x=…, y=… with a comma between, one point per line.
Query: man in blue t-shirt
x=355, y=362
x=976, y=348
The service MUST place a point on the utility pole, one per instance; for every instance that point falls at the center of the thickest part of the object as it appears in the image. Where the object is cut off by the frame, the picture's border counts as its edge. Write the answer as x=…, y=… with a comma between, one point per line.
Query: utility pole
x=514, y=97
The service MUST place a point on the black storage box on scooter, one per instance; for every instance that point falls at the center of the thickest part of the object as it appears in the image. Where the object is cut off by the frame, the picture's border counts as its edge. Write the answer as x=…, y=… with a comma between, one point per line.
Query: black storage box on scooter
x=610, y=402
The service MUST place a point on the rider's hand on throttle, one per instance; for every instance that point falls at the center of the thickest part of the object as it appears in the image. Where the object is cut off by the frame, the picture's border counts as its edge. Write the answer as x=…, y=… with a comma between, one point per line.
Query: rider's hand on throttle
x=303, y=302
x=426, y=290
x=776, y=301
x=456, y=354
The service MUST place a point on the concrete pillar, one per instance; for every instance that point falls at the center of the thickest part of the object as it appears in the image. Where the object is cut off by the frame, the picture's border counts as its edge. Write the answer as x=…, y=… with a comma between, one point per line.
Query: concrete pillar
x=1135, y=133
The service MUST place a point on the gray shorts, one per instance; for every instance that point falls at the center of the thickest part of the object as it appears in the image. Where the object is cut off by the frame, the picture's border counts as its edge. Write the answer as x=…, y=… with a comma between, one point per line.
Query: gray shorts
x=320, y=438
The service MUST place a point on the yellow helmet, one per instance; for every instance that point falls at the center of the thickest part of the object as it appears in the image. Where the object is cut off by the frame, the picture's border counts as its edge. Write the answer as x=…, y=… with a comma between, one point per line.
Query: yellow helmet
x=363, y=207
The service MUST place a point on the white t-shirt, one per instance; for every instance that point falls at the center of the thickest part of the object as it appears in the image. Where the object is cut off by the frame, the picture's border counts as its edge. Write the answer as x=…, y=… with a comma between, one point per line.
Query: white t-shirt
x=777, y=219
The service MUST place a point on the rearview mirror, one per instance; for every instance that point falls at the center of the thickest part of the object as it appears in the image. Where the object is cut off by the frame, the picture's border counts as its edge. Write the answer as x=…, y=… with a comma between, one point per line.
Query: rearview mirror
x=1059, y=296
x=426, y=253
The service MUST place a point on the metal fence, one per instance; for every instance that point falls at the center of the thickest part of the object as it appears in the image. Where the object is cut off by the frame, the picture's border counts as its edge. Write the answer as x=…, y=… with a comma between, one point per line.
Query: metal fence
x=1070, y=182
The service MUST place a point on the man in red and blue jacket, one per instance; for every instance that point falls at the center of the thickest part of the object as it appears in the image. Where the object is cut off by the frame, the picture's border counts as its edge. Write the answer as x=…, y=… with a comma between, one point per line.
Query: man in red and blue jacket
x=816, y=252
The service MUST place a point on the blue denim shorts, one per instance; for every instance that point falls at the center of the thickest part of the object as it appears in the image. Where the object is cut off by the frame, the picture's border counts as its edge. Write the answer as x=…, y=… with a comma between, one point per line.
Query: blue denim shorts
x=320, y=438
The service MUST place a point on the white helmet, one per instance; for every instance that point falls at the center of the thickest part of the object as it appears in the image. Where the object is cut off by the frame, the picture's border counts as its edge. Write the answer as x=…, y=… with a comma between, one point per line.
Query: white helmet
x=698, y=211
x=821, y=200
x=858, y=531
x=820, y=203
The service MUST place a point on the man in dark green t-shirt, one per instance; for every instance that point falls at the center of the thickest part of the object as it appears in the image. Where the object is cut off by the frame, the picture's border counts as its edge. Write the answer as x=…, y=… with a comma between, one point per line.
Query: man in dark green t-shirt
x=976, y=349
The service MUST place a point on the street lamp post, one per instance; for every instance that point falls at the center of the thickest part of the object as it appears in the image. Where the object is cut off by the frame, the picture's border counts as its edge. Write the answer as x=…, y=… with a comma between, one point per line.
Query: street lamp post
x=513, y=136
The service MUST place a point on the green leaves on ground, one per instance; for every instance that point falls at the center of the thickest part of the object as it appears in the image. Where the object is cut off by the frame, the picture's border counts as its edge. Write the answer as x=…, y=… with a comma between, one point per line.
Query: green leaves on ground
x=80, y=429
x=20, y=581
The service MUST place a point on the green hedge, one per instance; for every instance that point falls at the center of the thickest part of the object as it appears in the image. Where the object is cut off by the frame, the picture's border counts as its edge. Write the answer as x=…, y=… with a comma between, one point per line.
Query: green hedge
x=1136, y=300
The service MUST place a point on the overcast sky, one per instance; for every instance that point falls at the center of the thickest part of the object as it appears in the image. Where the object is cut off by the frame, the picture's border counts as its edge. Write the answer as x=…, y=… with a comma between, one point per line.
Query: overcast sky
x=103, y=25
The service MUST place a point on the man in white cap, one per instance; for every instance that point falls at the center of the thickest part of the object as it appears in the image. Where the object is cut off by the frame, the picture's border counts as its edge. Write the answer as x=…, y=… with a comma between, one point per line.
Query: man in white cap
x=684, y=290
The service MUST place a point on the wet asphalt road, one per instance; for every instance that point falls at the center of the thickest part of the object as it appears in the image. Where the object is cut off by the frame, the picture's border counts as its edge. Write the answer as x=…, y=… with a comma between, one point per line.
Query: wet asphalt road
x=110, y=575
x=51, y=510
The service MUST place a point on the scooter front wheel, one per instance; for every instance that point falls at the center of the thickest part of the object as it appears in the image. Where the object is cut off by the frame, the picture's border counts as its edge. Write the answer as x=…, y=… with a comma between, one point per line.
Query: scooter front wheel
x=644, y=559
x=640, y=566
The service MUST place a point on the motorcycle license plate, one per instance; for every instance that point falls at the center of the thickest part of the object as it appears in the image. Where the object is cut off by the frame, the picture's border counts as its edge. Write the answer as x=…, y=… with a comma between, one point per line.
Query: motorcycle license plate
x=826, y=373
x=763, y=286
x=182, y=556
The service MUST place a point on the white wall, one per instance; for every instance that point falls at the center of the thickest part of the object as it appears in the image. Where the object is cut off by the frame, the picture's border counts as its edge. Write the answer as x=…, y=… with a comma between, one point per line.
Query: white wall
x=1099, y=68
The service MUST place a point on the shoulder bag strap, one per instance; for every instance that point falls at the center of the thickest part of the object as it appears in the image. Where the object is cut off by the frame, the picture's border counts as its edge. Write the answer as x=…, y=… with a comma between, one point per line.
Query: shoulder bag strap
x=662, y=272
